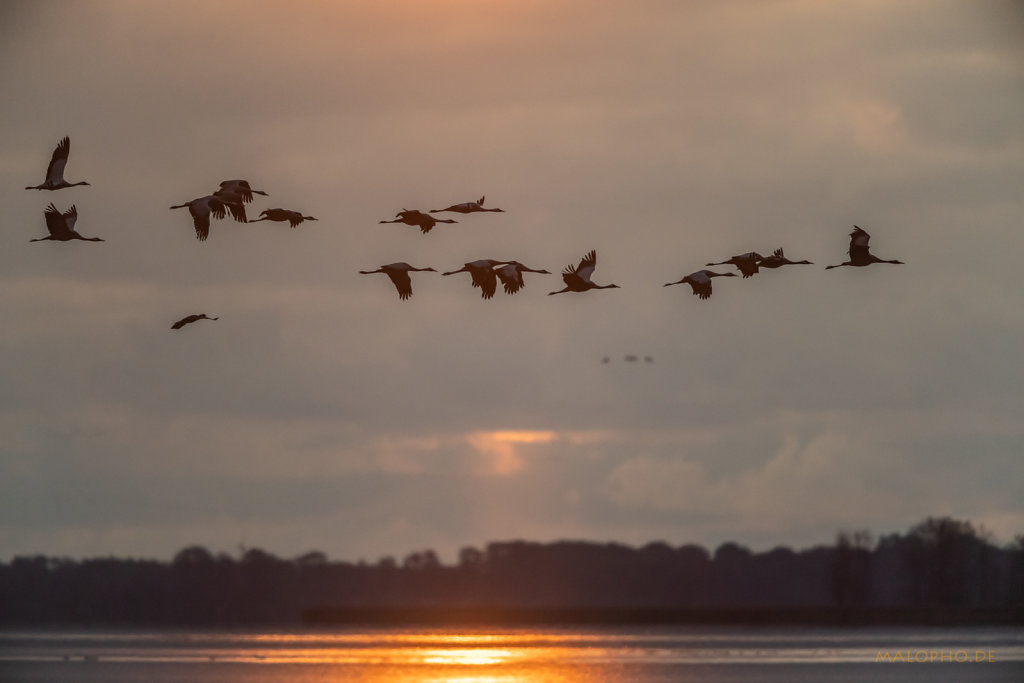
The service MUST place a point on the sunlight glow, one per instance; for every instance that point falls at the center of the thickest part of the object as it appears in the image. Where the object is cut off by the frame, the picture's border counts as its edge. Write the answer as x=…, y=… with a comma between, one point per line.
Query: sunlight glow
x=467, y=656
x=501, y=447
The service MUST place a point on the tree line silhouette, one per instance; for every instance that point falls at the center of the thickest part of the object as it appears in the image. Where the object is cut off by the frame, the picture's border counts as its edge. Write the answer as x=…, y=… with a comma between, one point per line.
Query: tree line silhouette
x=940, y=564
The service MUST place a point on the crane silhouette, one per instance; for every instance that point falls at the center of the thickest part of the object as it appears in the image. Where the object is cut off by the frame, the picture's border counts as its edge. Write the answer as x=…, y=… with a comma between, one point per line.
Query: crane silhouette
x=577, y=278
x=424, y=221
x=778, y=259
x=399, y=274
x=202, y=208
x=62, y=226
x=294, y=218
x=191, y=319
x=55, y=171
x=482, y=274
x=746, y=263
x=859, y=254
x=240, y=189
x=468, y=207
x=700, y=282
x=511, y=275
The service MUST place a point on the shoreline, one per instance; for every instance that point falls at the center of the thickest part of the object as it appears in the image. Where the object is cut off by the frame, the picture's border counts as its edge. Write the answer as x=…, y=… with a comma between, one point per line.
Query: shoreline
x=622, y=616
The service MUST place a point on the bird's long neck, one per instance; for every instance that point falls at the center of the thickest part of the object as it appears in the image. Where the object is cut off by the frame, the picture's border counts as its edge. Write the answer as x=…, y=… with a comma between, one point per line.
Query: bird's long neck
x=40, y=239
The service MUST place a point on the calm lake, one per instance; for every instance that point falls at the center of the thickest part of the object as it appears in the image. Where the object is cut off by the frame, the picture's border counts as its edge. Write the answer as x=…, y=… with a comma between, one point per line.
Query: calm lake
x=510, y=655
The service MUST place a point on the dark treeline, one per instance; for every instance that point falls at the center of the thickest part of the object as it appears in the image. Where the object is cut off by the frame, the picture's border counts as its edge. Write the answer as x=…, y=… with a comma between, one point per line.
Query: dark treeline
x=939, y=564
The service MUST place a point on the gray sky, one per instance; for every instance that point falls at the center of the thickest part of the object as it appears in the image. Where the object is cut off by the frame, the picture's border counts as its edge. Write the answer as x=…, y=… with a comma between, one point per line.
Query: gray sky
x=321, y=412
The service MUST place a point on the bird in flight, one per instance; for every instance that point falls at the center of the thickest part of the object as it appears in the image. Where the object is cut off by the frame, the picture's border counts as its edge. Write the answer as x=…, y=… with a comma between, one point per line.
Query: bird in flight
x=424, y=221
x=577, y=278
x=294, y=218
x=62, y=226
x=55, y=171
x=511, y=275
x=399, y=274
x=203, y=207
x=700, y=282
x=482, y=273
x=238, y=190
x=191, y=319
x=746, y=263
x=859, y=254
x=467, y=207
x=778, y=259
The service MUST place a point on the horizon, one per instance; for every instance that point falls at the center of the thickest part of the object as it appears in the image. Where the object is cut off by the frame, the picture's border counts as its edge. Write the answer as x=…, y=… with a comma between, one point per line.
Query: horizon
x=399, y=557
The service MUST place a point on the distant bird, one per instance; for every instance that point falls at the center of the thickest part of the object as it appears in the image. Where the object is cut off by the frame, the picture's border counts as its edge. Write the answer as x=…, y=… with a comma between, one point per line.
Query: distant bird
x=746, y=263
x=203, y=207
x=577, y=278
x=191, y=319
x=467, y=207
x=648, y=359
x=511, y=275
x=294, y=218
x=630, y=358
x=700, y=282
x=399, y=274
x=55, y=171
x=62, y=226
x=482, y=273
x=778, y=259
x=859, y=254
x=424, y=221
x=239, y=188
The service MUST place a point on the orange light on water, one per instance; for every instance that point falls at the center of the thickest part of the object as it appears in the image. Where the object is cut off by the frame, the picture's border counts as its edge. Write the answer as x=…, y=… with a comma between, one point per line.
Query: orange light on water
x=471, y=656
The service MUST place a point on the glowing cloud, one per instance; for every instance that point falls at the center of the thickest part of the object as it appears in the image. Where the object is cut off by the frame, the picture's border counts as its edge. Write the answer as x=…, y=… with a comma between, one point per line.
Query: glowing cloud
x=502, y=447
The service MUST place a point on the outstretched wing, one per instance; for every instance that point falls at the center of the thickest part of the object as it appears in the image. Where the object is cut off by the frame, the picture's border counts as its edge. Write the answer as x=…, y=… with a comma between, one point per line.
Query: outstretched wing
x=425, y=222
x=859, y=239
x=202, y=223
x=55, y=221
x=402, y=282
x=71, y=217
x=238, y=212
x=511, y=278
x=586, y=267
x=185, y=321
x=55, y=171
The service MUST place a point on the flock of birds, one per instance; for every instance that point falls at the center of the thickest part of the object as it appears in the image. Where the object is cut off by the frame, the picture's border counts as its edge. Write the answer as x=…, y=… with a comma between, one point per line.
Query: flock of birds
x=232, y=196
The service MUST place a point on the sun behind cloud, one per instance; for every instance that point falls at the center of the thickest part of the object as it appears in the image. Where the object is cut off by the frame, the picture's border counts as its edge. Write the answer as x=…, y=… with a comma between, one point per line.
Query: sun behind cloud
x=502, y=448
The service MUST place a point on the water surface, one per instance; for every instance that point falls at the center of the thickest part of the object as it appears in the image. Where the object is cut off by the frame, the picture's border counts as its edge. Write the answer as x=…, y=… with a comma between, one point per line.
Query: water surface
x=510, y=655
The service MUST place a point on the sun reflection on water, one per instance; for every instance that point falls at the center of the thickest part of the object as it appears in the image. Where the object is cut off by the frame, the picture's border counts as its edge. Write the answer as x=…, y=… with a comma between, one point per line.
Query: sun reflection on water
x=467, y=656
